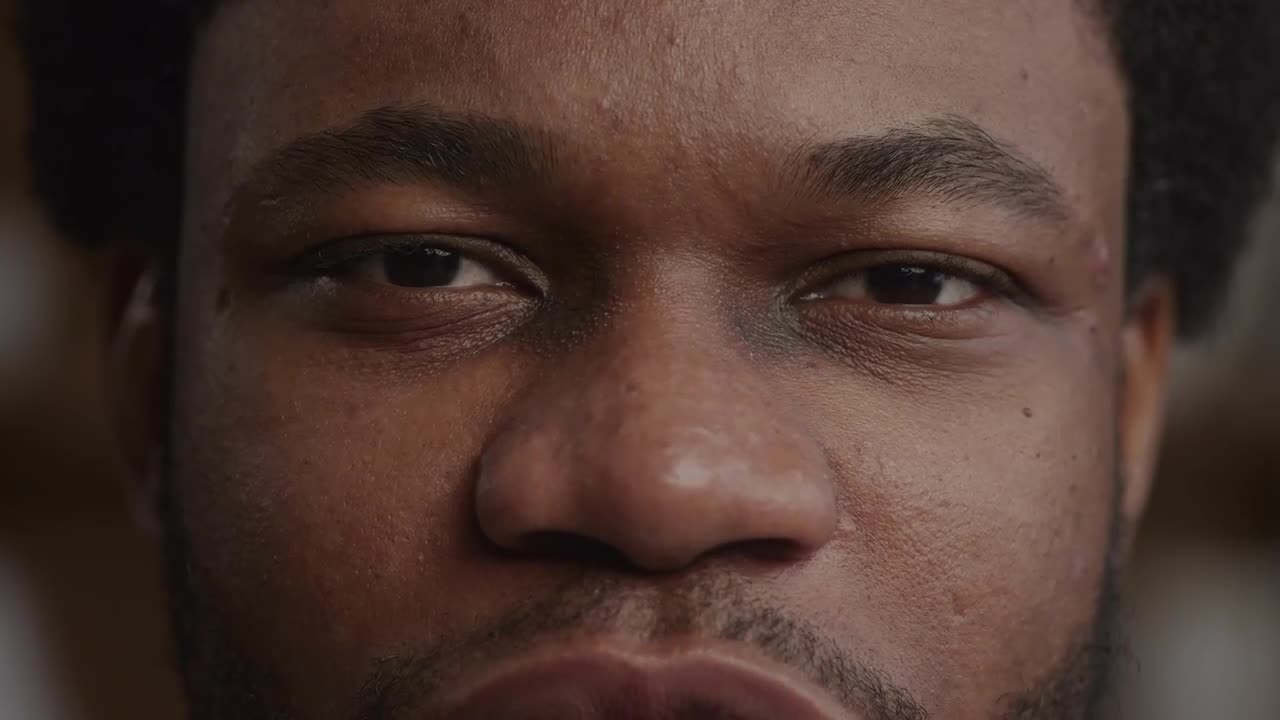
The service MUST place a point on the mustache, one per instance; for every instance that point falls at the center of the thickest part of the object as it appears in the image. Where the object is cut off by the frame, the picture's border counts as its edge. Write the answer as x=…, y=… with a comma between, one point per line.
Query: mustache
x=720, y=608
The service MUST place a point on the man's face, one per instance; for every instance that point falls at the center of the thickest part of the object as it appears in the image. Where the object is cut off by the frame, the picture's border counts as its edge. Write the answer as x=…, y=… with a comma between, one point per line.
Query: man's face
x=637, y=360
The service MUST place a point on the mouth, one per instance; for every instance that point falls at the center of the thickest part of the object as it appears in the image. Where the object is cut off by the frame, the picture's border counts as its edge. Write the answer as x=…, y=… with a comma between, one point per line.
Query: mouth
x=598, y=681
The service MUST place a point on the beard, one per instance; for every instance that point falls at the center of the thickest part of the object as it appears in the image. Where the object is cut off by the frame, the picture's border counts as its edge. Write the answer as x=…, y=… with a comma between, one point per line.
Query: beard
x=223, y=682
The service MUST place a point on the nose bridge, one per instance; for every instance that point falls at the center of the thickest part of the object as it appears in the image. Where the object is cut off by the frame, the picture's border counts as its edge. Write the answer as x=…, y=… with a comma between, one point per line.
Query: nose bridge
x=663, y=442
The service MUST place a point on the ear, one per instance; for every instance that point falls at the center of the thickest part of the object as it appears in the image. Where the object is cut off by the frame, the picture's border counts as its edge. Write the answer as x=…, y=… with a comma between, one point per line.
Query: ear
x=1147, y=341
x=137, y=383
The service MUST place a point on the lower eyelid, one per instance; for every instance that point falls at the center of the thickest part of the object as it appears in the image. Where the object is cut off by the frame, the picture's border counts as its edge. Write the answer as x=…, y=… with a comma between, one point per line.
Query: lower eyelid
x=915, y=322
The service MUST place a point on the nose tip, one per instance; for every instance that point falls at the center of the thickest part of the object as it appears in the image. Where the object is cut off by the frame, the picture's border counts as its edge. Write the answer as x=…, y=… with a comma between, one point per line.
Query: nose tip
x=657, y=485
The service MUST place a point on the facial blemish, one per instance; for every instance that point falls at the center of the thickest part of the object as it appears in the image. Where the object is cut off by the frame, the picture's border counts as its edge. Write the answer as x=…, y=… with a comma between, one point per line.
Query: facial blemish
x=1026, y=412
x=690, y=473
x=1102, y=260
x=959, y=608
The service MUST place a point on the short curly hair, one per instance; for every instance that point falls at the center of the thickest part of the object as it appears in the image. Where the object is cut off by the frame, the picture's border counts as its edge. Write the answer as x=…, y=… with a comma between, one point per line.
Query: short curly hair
x=109, y=90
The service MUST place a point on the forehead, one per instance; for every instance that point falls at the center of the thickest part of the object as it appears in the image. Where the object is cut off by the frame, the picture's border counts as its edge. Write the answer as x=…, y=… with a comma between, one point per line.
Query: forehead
x=667, y=81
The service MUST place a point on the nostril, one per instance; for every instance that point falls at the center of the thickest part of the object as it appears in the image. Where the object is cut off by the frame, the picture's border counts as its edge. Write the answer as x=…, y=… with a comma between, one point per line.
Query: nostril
x=581, y=549
x=769, y=550
x=571, y=547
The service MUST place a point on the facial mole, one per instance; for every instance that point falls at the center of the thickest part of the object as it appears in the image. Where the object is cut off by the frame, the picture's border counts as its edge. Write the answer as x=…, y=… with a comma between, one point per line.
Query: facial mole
x=1026, y=412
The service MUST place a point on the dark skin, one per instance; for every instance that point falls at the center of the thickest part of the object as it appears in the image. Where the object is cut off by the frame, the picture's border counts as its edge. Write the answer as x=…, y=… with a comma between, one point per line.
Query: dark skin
x=641, y=331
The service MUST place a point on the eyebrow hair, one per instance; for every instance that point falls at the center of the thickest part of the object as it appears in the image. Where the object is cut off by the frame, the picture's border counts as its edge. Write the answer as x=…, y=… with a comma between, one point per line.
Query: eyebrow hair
x=407, y=144
x=950, y=157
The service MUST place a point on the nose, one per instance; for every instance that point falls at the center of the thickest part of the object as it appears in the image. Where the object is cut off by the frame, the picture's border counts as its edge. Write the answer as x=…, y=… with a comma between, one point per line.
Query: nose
x=661, y=449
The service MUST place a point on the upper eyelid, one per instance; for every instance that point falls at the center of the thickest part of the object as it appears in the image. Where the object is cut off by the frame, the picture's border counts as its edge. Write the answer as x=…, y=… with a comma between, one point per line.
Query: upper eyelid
x=984, y=274
x=343, y=253
x=338, y=253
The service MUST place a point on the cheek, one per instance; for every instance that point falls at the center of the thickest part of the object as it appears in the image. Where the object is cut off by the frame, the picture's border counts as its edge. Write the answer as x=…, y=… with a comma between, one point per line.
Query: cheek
x=976, y=515
x=326, y=494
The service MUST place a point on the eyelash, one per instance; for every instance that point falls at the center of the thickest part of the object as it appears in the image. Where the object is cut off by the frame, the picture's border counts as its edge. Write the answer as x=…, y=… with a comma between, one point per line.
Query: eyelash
x=987, y=277
x=337, y=258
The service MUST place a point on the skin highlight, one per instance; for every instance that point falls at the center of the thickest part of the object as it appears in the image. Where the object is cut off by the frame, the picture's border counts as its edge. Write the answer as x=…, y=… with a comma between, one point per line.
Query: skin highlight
x=664, y=414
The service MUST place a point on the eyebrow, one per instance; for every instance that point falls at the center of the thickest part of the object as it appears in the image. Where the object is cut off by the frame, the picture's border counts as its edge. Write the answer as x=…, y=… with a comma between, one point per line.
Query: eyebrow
x=406, y=145
x=951, y=158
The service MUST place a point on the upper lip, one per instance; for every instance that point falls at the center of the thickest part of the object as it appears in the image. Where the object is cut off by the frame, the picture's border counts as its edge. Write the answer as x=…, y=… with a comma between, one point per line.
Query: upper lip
x=603, y=680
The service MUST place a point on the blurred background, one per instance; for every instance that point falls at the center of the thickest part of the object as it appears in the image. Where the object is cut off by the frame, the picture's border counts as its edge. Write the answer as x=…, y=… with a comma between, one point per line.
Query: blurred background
x=83, y=632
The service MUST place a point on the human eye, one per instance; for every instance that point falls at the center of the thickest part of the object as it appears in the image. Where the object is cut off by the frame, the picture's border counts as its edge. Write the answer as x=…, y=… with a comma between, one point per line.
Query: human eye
x=433, y=291
x=914, y=281
x=907, y=294
x=411, y=263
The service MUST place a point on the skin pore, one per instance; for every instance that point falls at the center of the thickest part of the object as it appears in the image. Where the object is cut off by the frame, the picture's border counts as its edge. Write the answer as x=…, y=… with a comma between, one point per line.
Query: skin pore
x=794, y=328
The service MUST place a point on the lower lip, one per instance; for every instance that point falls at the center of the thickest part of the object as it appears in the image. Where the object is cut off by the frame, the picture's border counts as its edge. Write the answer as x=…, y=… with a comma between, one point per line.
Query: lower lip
x=609, y=685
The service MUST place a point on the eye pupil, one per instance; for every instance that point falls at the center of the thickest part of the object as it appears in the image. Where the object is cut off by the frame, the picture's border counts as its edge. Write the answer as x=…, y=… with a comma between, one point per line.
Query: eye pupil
x=421, y=267
x=905, y=284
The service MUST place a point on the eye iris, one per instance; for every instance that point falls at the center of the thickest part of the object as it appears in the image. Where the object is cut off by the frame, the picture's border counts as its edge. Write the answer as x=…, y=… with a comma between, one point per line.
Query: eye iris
x=425, y=267
x=905, y=284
